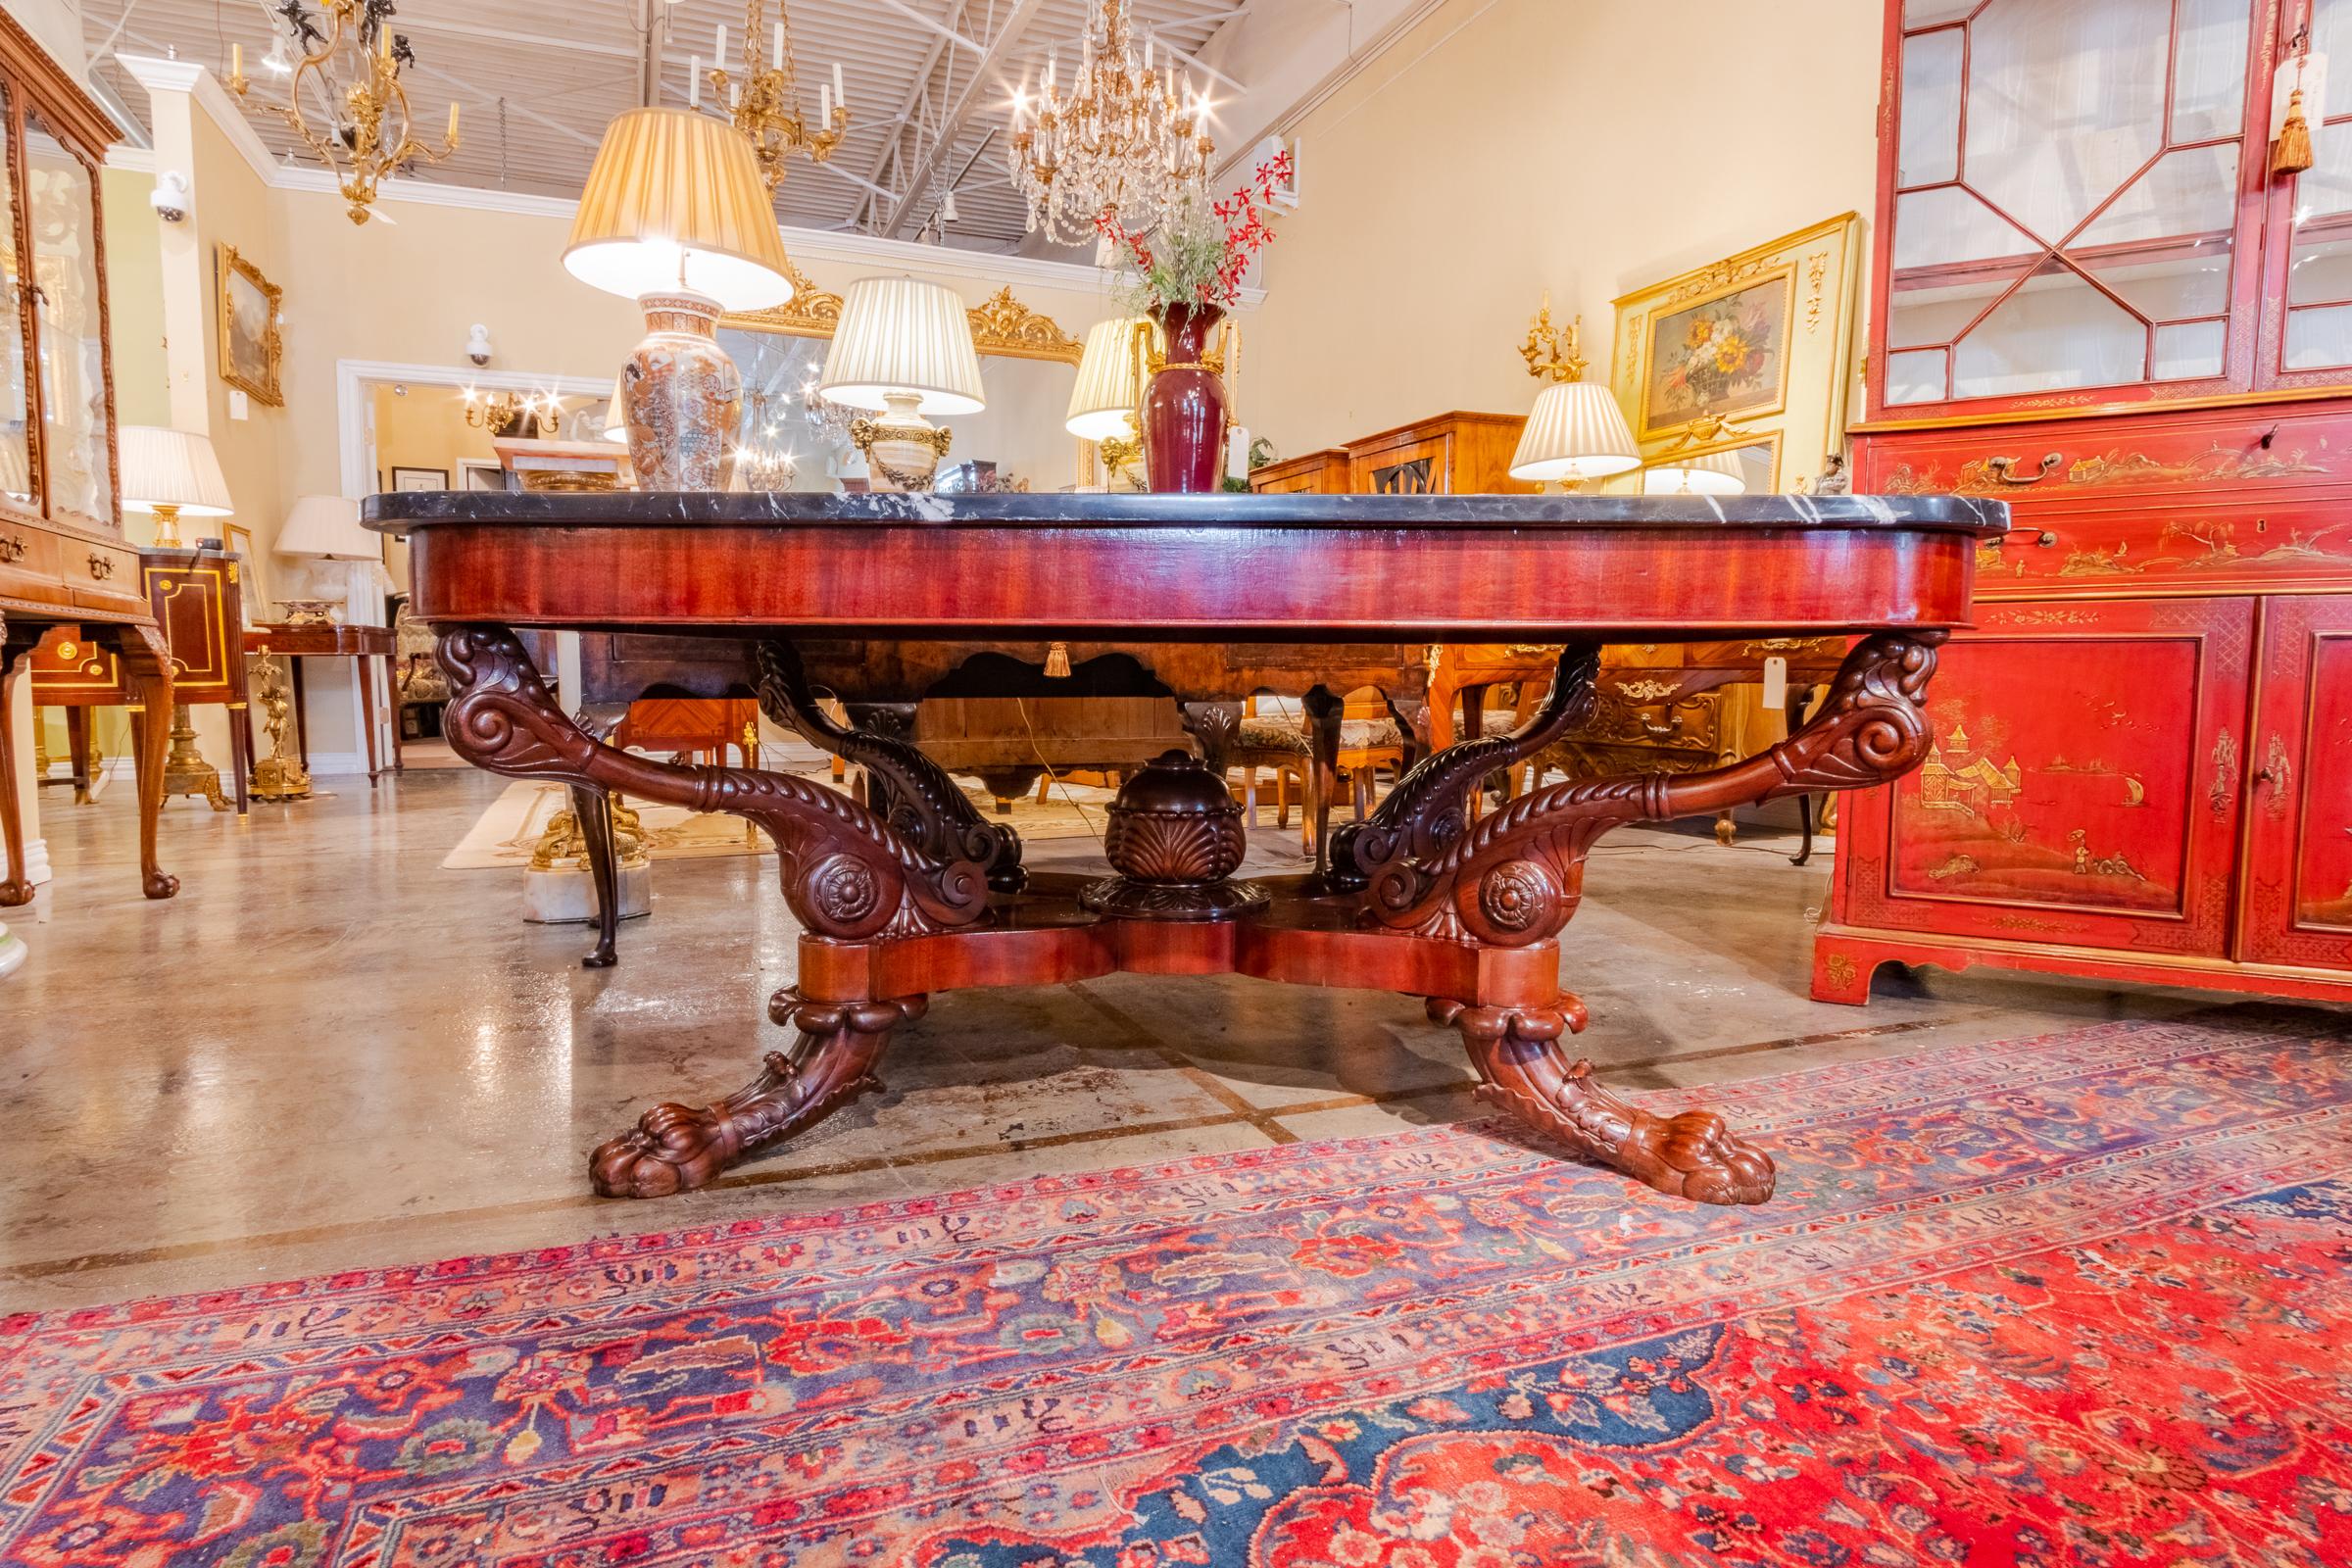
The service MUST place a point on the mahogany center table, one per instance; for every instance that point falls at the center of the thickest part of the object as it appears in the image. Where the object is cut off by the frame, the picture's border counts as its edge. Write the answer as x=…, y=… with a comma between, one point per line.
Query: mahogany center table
x=873, y=596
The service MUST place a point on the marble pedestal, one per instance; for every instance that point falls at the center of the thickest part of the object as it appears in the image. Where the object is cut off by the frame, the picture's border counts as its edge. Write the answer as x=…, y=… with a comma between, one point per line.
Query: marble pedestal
x=13, y=953
x=566, y=895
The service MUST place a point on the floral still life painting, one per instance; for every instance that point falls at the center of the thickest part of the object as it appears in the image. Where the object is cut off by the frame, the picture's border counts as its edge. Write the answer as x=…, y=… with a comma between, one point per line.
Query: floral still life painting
x=1720, y=359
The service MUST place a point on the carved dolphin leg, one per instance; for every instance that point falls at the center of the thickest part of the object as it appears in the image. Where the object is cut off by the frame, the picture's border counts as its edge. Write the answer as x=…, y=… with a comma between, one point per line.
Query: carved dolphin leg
x=676, y=1148
x=1517, y=1053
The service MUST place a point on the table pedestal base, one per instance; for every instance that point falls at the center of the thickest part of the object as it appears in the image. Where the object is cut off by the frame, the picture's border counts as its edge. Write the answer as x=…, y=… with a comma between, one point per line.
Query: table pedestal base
x=922, y=895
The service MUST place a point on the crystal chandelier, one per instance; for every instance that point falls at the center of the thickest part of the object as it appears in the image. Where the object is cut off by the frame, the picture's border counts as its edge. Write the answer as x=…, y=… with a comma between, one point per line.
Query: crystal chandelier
x=761, y=462
x=1127, y=138
x=355, y=71
x=766, y=103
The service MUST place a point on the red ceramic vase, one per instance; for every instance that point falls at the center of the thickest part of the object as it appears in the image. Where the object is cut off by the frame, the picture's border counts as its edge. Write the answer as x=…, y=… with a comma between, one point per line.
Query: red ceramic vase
x=1184, y=406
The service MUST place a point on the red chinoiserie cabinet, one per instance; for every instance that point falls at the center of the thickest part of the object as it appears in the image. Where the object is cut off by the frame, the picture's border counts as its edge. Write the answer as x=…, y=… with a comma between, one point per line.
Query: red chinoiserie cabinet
x=2094, y=300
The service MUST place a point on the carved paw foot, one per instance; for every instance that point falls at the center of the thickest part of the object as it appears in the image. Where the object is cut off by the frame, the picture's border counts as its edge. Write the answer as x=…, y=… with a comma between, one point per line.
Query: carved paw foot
x=159, y=885
x=1692, y=1155
x=674, y=1149
x=14, y=894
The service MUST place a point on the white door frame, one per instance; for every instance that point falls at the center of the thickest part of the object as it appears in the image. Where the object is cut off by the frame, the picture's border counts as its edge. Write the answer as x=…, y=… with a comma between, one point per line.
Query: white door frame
x=356, y=448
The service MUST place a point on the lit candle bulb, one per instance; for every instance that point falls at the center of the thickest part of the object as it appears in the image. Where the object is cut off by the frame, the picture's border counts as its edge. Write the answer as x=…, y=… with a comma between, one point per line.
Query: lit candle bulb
x=694, y=81
x=718, y=46
x=776, y=48
x=824, y=104
x=236, y=62
x=453, y=123
x=841, y=98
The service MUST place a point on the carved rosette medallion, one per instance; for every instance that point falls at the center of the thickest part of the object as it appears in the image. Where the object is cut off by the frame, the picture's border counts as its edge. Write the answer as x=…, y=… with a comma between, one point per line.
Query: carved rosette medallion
x=1175, y=835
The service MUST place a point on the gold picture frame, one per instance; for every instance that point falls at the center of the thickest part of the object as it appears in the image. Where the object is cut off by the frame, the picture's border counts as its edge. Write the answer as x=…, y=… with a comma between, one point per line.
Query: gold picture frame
x=1788, y=308
x=252, y=353
x=237, y=538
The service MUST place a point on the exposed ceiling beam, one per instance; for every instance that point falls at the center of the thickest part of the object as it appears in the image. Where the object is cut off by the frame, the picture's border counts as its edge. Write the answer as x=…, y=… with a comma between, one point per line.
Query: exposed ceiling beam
x=918, y=87
x=1000, y=48
x=945, y=32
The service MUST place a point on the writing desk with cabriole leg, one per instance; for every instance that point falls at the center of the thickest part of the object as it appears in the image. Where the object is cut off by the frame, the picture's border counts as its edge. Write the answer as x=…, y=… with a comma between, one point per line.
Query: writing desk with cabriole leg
x=872, y=597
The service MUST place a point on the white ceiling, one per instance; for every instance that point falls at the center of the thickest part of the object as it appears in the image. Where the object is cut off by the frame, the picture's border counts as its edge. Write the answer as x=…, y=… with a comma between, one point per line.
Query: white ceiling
x=928, y=83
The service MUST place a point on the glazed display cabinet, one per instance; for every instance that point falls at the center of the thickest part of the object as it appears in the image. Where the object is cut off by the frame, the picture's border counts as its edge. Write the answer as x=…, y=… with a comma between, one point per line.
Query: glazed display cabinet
x=2095, y=300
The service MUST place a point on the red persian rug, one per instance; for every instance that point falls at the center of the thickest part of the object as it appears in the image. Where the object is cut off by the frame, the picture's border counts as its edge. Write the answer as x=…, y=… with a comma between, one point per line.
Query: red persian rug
x=2080, y=1300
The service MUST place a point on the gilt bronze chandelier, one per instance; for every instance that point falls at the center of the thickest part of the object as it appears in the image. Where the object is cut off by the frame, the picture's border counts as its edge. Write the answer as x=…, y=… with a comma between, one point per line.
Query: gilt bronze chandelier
x=1127, y=138
x=354, y=71
x=765, y=102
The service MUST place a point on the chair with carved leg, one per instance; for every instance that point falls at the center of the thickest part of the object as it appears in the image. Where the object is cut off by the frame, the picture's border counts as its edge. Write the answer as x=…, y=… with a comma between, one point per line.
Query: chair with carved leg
x=1276, y=743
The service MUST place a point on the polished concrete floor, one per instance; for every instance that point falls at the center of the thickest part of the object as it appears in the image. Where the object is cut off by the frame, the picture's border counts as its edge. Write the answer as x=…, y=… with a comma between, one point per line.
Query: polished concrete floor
x=327, y=1053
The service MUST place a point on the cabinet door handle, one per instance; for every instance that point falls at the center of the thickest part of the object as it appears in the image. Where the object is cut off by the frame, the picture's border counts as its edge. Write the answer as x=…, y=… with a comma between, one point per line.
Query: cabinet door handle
x=101, y=568
x=2004, y=470
x=2278, y=773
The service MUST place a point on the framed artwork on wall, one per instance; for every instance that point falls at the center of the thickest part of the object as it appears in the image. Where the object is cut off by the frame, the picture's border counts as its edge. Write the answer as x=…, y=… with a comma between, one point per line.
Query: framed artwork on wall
x=252, y=344
x=406, y=480
x=481, y=474
x=1751, y=356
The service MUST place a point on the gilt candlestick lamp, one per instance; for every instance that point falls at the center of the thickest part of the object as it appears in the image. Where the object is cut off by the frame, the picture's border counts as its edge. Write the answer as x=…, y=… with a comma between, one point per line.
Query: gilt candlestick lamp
x=675, y=217
x=172, y=474
x=903, y=349
x=1109, y=387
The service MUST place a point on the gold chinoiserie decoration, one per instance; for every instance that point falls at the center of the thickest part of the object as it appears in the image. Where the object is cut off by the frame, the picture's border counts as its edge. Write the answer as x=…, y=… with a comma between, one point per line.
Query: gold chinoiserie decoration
x=278, y=776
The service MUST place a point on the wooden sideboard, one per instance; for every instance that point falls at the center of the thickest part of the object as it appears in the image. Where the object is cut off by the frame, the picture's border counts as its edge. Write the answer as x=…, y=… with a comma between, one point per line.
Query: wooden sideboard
x=1453, y=454
x=2142, y=754
x=1320, y=473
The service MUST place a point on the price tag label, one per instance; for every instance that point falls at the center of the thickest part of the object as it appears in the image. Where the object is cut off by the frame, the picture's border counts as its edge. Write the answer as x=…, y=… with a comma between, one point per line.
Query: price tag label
x=1776, y=682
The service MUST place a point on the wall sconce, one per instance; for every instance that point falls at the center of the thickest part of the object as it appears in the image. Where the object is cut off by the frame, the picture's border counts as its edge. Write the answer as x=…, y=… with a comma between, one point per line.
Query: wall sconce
x=1550, y=352
x=170, y=198
x=477, y=344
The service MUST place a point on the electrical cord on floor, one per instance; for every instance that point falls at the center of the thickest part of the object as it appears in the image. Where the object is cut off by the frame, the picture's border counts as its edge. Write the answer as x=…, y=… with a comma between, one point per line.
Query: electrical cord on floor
x=1052, y=778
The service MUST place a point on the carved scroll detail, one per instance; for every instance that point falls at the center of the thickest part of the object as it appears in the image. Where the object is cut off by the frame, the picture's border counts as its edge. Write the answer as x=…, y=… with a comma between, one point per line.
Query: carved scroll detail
x=926, y=807
x=1517, y=876
x=846, y=875
x=1430, y=806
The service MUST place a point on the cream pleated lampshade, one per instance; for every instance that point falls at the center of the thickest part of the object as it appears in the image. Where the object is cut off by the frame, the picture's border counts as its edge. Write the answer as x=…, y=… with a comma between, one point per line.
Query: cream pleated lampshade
x=1102, y=403
x=1711, y=474
x=903, y=335
x=676, y=201
x=165, y=468
x=327, y=529
x=1575, y=431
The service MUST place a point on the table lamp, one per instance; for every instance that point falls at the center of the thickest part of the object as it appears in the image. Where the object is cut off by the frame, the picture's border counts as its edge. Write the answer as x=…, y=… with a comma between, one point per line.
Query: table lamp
x=905, y=348
x=1710, y=473
x=324, y=528
x=676, y=216
x=170, y=473
x=1575, y=433
x=1109, y=387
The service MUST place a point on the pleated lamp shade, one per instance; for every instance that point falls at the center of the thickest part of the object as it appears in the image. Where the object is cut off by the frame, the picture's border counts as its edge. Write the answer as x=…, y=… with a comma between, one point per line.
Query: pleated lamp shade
x=906, y=336
x=1575, y=431
x=1711, y=474
x=327, y=529
x=1102, y=403
x=674, y=201
x=165, y=467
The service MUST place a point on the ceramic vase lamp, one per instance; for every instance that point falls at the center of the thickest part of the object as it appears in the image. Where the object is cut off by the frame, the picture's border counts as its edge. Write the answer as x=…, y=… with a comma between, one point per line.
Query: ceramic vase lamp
x=325, y=528
x=903, y=349
x=676, y=218
x=173, y=474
